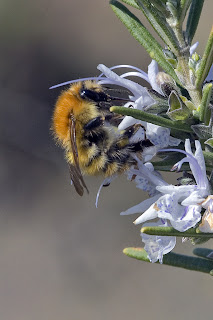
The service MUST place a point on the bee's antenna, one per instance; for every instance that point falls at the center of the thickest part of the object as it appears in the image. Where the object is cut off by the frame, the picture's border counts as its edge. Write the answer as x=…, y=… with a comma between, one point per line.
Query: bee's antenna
x=76, y=80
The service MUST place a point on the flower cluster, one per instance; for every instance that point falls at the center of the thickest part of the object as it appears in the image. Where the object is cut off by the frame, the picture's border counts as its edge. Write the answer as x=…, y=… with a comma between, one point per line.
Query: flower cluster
x=181, y=206
x=174, y=113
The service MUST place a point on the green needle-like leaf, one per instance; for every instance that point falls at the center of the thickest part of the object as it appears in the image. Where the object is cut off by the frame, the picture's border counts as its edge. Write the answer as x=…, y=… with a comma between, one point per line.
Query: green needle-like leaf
x=184, y=6
x=174, y=260
x=152, y=118
x=193, y=19
x=157, y=3
x=143, y=36
x=204, y=107
x=202, y=131
x=159, y=23
x=208, y=156
x=209, y=142
x=131, y=3
x=171, y=232
x=202, y=252
x=160, y=5
x=206, y=62
x=137, y=253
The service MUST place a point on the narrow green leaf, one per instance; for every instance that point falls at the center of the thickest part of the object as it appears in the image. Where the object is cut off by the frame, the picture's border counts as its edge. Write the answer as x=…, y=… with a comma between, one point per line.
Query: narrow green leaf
x=143, y=36
x=184, y=6
x=204, y=107
x=158, y=21
x=160, y=5
x=202, y=252
x=157, y=3
x=171, y=232
x=131, y=3
x=206, y=62
x=137, y=253
x=174, y=260
x=197, y=241
x=152, y=118
x=209, y=142
x=193, y=19
x=180, y=134
x=202, y=131
x=208, y=156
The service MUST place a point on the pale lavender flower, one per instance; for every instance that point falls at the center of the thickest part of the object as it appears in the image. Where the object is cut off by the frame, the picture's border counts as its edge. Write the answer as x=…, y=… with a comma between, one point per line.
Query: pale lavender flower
x=178, y=206
x=181, y=205
x=207, y=219
x=193, y=48
x=140, y=99
x=209, y=78
x=157, y=246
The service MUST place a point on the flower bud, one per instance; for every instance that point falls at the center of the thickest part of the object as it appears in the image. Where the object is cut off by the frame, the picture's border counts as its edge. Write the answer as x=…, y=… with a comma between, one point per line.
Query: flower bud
x=166, y=83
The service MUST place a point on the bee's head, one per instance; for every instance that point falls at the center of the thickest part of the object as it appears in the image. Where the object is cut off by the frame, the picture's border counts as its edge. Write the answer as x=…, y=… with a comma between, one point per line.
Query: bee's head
x=92, y=91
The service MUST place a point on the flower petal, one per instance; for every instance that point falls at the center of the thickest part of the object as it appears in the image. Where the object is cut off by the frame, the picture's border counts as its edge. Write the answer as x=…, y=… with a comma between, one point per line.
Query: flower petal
x=193, y=48
x=152, y=73
x=141, y=207
x=157, y=246
x=132, y=86
x=149, y=214
x=209, y=78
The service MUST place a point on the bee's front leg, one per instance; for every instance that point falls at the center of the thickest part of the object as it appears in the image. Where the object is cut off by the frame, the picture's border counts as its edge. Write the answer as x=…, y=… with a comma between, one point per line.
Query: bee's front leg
x=131, y=130
x=140, y=145
x=94, y=123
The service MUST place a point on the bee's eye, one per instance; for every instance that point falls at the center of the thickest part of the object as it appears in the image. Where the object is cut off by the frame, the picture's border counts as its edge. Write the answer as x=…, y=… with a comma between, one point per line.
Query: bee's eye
x=93, y=95
x=89, y=94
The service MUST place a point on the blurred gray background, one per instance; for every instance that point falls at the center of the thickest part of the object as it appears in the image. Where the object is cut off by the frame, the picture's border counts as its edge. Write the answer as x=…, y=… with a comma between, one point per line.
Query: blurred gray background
x=60, y=257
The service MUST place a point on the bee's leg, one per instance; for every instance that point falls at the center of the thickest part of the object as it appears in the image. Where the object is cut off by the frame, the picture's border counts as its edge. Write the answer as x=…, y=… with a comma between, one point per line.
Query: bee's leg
x=140, y=145
x=99, y=121
x=94, y=123
x=131, y=130
x=119, y=155
x=95, y=133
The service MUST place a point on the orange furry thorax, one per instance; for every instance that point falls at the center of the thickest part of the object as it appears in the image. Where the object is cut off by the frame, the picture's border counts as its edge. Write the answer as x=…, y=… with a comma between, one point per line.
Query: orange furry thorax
x=70, y=103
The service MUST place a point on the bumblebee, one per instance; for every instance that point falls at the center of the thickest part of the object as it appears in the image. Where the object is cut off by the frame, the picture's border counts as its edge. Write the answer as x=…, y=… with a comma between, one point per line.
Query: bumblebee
x=84, y=126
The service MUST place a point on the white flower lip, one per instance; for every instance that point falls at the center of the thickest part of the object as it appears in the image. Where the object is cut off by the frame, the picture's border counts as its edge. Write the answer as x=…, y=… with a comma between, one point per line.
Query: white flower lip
x=112, y=78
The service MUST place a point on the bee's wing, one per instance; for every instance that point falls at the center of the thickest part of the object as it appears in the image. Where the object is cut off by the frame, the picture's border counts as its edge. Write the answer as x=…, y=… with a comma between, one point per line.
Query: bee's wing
x=74, y=175
x=75, y=171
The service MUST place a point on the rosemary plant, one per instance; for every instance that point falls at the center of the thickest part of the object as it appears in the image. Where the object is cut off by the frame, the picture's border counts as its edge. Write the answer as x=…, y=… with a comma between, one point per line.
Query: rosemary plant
x=175, y=114
x=180, y=101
